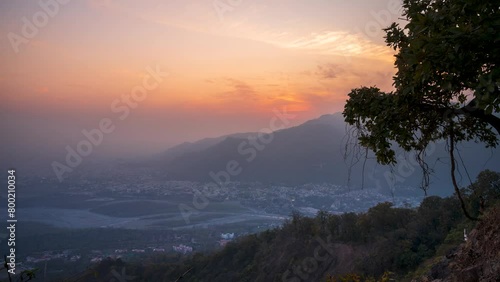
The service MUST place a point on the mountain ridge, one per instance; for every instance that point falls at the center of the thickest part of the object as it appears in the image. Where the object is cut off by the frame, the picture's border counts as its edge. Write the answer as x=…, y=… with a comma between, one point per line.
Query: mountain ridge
x=312, y=152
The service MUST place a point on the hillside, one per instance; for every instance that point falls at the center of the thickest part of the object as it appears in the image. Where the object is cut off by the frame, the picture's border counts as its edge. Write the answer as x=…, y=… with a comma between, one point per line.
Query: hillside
x=419, y=244
x=478, y=259
x=311, y=249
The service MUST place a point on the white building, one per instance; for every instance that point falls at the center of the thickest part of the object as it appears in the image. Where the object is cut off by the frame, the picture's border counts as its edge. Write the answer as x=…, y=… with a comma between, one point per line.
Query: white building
x=227, y=236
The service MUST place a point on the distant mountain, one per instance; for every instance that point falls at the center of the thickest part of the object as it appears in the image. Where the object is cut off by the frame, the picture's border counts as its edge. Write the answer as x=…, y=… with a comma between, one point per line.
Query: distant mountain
x=198, y=146
x=312, y=152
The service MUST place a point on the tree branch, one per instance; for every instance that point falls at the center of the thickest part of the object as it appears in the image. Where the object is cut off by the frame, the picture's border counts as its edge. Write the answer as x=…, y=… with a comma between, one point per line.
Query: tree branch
x=472, y=110
x=453, y=178
x=469, y=109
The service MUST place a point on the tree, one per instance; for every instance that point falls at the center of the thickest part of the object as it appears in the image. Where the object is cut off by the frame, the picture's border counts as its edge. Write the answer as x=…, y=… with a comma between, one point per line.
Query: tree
x=485, y=192
x=25, y=275
x=447, y=83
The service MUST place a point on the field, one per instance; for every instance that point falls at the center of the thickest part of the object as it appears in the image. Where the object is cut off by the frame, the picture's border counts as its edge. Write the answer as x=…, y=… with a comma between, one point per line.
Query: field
x=74, y=211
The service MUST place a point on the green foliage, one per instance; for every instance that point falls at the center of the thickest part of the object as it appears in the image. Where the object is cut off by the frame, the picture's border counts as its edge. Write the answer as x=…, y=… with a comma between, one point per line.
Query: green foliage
x=28, y=275
x=344, y=278
x=485, y=191
x=447, y=59
x=386, y=277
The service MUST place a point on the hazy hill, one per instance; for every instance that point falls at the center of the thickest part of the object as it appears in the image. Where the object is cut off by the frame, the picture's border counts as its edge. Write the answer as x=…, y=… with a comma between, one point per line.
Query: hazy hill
x=200, y=145
x=312, y=152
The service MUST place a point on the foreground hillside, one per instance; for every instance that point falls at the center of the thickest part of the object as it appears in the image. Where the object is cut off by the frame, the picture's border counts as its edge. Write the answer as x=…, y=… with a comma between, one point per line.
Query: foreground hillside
x=478, y=259
x=385, y=242
x=309, y=249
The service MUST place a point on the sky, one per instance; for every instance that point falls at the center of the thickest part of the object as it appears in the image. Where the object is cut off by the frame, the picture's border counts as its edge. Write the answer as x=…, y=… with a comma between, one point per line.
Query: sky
x=225, y=66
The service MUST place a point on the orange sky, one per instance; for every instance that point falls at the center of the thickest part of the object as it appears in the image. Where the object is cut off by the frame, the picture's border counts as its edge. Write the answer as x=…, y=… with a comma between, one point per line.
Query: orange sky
x=230, y=63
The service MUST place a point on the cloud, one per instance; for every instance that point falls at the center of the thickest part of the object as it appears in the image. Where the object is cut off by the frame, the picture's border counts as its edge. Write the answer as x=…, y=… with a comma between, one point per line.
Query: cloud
x=244, y=22
x=328, y=71
x=329, y=43
x=239, y=90
x=340, y=43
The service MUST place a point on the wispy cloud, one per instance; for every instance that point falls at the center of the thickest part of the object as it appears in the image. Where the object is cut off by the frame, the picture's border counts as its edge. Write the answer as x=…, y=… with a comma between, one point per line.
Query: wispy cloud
x=340, y=43
x=243, y=24
x=328, y=71
x=238, y=90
